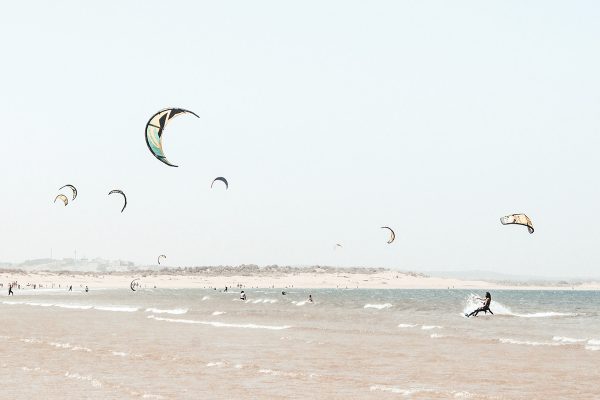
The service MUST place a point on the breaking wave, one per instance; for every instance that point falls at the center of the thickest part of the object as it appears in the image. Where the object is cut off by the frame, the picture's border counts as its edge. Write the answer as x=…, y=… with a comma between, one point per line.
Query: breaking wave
x=221, y=324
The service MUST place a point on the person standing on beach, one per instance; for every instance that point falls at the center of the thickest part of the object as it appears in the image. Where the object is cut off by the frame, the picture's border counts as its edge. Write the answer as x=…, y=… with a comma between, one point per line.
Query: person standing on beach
x=486, y=306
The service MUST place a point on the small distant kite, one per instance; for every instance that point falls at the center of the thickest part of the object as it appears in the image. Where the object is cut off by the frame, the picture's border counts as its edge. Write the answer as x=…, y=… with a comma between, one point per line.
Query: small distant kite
x=121, y=193
x=64, y=199
x=517, y=219
x=73, y=188
x=161, y=256
x=155, y=129
x=132, y=284
x=220, y=178
x=338, y=245
x=392, y=234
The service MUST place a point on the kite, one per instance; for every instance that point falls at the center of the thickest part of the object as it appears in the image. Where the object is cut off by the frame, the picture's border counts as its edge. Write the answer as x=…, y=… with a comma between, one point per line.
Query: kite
x=131, y=285
x=63, y=198
x=73, y=188
x=220, y=178
x=124, y=197
x=163, y=256
x=517, y=219
x=392, y=234
x=155, y=129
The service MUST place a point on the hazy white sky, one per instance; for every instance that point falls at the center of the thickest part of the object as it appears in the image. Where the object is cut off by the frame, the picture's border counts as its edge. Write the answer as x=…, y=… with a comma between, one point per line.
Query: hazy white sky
x=330, y=119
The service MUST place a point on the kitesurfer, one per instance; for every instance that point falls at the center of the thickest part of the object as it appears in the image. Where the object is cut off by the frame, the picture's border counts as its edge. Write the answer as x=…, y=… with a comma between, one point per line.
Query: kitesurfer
x=310, y=300
x=243, y=296
x=283, y=293
x=86, y=289
x=10, y=292
x=485, y=308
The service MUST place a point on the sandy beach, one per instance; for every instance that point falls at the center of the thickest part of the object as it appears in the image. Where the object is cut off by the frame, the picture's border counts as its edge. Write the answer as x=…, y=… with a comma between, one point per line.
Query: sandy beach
x=317, y=278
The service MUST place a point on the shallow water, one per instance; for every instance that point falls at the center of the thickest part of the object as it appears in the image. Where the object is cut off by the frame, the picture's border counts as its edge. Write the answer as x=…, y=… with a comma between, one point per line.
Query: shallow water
x=358, y=344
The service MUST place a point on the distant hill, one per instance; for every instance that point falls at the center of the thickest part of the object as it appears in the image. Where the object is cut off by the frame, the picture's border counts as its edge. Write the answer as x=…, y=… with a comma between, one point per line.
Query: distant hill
x=70, y=264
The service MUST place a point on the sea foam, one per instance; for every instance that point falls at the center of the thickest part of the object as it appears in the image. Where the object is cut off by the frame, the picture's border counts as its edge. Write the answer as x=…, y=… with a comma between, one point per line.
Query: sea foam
x=378, y=306
x=175, y=311
x=473, y=302
x=221, y=324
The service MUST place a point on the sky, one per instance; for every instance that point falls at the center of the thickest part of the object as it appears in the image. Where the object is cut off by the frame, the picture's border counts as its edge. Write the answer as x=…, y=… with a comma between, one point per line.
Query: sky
x=330, y=119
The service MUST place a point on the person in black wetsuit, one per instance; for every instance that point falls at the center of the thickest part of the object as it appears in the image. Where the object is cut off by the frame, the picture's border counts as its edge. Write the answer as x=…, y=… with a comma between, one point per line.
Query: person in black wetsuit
x=10, y=292
x=485, y=308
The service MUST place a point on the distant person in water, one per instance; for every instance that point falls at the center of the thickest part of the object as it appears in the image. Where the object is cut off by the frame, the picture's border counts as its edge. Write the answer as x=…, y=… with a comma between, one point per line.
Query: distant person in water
x=225, y=288
x=86, y=289
x=243, y=296
x=71, y=288
x=485, y=308
x=283, y=293
x=310, y=300
x=10, y=292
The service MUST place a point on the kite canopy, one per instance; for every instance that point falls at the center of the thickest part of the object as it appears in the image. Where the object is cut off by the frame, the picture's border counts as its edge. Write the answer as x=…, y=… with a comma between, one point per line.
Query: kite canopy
x=64, y=199
x=517, y=219
x=220, y=178
x=392, y=234
x=155, y=129
x=161, y=256
x=121, y=193
x=73, y=188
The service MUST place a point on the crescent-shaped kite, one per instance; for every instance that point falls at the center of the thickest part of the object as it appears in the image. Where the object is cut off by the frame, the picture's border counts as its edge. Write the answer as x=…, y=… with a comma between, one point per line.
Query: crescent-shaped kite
x=392, y=234
x=220, y=178
x=73, y=188
x=155, y=129
x=64, y=199
x=517, y=219
x=131, y=284
x=161, y=256
x=121, y=193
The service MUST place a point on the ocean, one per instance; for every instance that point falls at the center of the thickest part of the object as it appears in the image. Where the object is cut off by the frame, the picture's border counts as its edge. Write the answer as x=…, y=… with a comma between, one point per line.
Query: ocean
x=348, y=344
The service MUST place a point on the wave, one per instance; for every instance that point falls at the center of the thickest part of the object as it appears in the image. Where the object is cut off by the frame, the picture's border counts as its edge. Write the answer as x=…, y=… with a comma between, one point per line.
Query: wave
x=221, y=324
x=528, y=343
x=472, y=303
x=80, y=306
x=593, y=342
x=566, y=340
x=116, y=308
x=205, y=298
x=69, y=346
x=119, y=353
x=406, y=325
x=410, y=392
x=378, y=306
x=215, y=364
x=73, y=306
x=94, y=382
x=175, y=311
x=436, y=336
x=277, y=373
x=299, y=303
x=429, y=327
x=267, y=301
x=218, y=313
x=13, y=303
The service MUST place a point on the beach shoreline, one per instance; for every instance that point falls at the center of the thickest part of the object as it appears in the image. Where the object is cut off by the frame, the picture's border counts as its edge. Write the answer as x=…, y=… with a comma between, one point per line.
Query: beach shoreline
x=301, y=278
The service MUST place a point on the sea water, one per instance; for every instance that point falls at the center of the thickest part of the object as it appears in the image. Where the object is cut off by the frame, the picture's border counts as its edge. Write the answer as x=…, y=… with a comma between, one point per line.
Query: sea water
x=351, y=344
